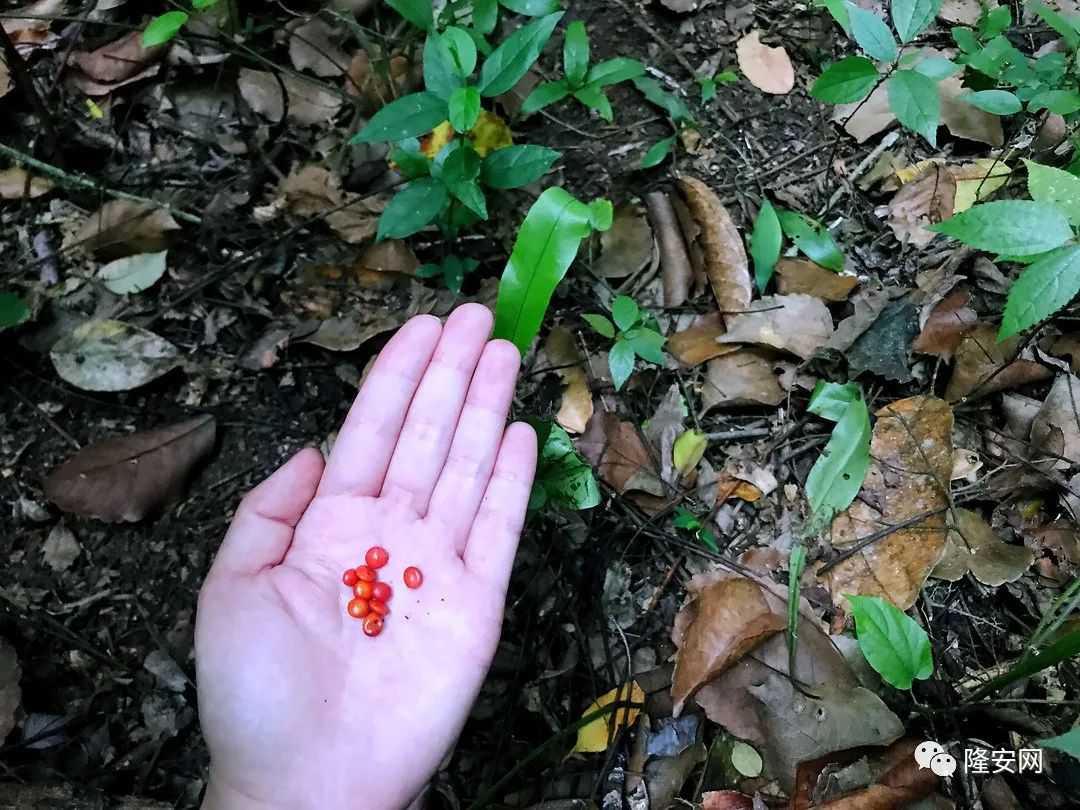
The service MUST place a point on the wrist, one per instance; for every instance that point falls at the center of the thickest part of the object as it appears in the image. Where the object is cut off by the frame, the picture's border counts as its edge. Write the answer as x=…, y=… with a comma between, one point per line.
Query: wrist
x=222, y=797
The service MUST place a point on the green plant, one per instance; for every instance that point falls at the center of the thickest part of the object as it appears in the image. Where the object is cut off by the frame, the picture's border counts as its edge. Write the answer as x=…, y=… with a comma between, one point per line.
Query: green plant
x=635, y=333
x=13, y=310
x=1069, y=742
x=584, y=83
x=708, y=84
x=563, y=478
x=891, y=641
x=452, y=270
x=678, y=114
x=687, y=521
x=808, y=235
x=165, y=26
x=838, y=473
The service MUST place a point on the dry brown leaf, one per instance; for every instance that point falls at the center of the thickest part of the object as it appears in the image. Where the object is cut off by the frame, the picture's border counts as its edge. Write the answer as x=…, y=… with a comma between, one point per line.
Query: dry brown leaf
x=314, y=44
x=744, y=377
x=123, y=228
x=118, y=61
x=799, y=324
x=965, y=120
x=801, y=276
x=696, y=344
x=627, y=247
x=616, y=448
x=921, y=203
x=10, y=692
x=126, y=478
x=973, y=546
x=1068, y=345
x=691, y=233
x=17, y=184
x=677, y=273
x=312, y=190
x=911, y=456
x=664, y=427
x=576, y=408
x=946, y=325
x=897, y=780
x=1056, y=427
x=309, y=102
x=963, y=12
x=867, y=304
x=983, y=365
x=865, y=119
x=389, y=256
x=376, y=88
x=36, y=22
x=1060, y=540
x=768, y=69
x=723, y=621
x=725, y=255
x=726, y=800
x=6, y=82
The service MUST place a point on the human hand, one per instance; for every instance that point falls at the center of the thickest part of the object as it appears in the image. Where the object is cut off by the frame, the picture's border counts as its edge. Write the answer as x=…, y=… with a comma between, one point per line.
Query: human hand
x=299, y=708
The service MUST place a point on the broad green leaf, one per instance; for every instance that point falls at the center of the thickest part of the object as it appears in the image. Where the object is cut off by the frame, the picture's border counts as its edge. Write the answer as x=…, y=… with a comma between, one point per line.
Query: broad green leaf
x=998, y=102
x=992, y=59
x=485, y=15
x=1010, y=227
x=515, y=166
x=13, y=310
x=412, y=208
x=688, y=450
x=708, y=89
x=625, y=312
x=613, y=71
x=891, y=641
x=648, y=344
x=657, y=152
x=913, y=98
x=621, y=362
x=544, y=94
x=1059, y=23
x=469, y=194
x=830, y=400
x=601, y=214
x=133, y=274
x=441, y=74
x=911, y=16
x=1048, y=184
x=937, y=67
x=846, y=81
x=994, y=21
x=839, y=11
x=669, y=102
x=872, y=34
x=837, y=475
x=163, y=28
x=813, y=239
x=563, y=478
x=513, y=58
x=600, y=324
x=965, y=39
x=418, y=12
x=457, y=162
x=464, y=108
x=593, y=97
x=531, y=8
x=408, y=117
x=765, y=243
x=1041, y=290
x=462, y=50
x=576, y=53
x=1062, y=102
x=546, y=245
x=685, y=519
x=1069, y=742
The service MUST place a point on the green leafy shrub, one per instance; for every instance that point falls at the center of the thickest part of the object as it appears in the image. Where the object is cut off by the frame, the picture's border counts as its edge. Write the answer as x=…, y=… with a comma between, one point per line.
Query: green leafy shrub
x=891, y=641
x=838, y=473
x=678, y=114
x=165, y=26
x=636, y=334
x=563, y=478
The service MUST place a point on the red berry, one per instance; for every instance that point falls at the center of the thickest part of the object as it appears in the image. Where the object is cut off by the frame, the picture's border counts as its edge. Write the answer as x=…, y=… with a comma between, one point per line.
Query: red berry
x=373, y=624
x=349, y=578
x=358, y=608
x=363, y=590
x=379, y=607
x=413, y=578
x=381, y=591
x=365, y=573
x=376, y=557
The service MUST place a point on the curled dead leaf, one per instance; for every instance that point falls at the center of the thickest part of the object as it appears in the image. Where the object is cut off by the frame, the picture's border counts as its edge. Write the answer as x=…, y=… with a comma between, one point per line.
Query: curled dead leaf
x=627, y=247
x=123, y=228
x=698, y=343
x=379, y=85
x=677, y=272
x=390, y=256
x=1055, y=430
x=118, y=61
x=725, y=256
x=801, y=276
x=623, y=461
x=314, y=45
x=926, y=201
x=309, y=102
x=799, y=324
x=945, y=325
x=576, y=408
x=18, y=184
x=983, y=365
x=768, y=69
x=745, y=377
x=973, y=546
x=311, y=191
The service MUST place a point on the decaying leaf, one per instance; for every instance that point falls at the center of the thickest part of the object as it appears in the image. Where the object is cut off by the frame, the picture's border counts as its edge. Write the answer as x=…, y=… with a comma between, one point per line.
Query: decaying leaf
x=725, y=256
x=122, y=228
x=688, y=451
x=61, y=548
x=314, y=45
x=963, y=12
x=311, y=191
x=627, y=247
x=799, y=324
x=910, y=469
x=372, y=85
x=616, y=449
x=973, y=546
x=944, y=326
x=983, y=365
x=975, y=182
x=126, y=478
x=801, y=276
x=745, y=377
x=664, y=428
x=120, y=62
x=389, y=256
x=112, y=356
x=696, y=344
x=16, y=183
x=867, y=304
x=576, y=408
x=1055, y=429
x=890, y=780
x=309, y=102
x=926, y=201
x=726, y=800
x=10, y=692
x=32, y=29
x=594, y=737
x=885, y=348
x=768, y=69
x=965, y=120
x=133, y=274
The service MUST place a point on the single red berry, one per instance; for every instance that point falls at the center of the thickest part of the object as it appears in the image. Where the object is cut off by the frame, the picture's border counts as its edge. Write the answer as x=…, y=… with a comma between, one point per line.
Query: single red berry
x=413, y=578
x=373, y=624
x=363, y=590
x=349, y=578
x=381, y=591
x=358, y=608
x=366, y=574
x=379, y=607
x=376, y=557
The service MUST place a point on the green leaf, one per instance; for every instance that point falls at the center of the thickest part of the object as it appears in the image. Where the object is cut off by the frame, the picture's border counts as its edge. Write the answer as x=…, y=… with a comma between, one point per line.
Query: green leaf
x=1059, y=23
x=839, y=11
x=1062, y=102
x=133, y=274
x=830, y=400
x=1069, y=742
x=462, y=50
x=708, y=89
x=621, y=362
x=199, y=5
x=812, y=238
x=965, y=39
x=911, y=16
x=937, y=67
x=1017, y=227
x=625, y=312
x=670, y=103
x=418, y=12
x=998, y=102
x=408, y=158
x=891, y=641
x=416, y=205
x=685, y=519
x=515, y=166
x=600, y=324
x=765, y=243
x=471, y=196
x=872, y=34
x=441, y=74
x=464, y=108
x=531, y=8
x=408, y=117
x=601, y=214
x=13, y=311
x=593, y=97
x=563, y=478
x=846, y=81
x=163, y=28
x=657, y=152
x=546, y=245
x=1047, y=184
x=1041, y=290
x=544, y=94
x=513, y=58
x=837, y=475
x=576, y=53
x=913, y=98
x=648, y=344
x=485, y=15
x=614, y=71
x=994, y=21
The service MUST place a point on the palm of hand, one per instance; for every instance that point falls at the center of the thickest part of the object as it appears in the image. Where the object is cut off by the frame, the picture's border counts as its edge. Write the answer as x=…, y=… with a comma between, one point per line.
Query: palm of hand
x=298, y=706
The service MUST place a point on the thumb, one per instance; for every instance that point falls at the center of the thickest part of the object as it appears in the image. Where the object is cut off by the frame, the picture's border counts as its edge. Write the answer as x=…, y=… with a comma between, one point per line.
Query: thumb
x=262, y=529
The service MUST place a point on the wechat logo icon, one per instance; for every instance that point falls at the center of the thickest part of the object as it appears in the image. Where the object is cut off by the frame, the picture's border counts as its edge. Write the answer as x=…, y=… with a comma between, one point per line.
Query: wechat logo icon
x=929, y=754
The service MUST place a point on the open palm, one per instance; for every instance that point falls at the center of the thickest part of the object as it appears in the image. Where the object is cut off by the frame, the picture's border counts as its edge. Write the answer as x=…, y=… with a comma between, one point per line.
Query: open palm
x=298, y=706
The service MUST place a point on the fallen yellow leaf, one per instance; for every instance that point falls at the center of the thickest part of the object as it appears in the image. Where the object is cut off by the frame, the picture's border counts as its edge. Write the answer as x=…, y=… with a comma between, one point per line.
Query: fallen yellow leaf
x=688, y=450
x=594, y=736
x=489, y=133
x=975, y=181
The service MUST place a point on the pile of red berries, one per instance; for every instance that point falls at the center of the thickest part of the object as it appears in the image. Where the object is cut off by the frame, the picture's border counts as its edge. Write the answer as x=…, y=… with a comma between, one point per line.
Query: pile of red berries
x=370, y=596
